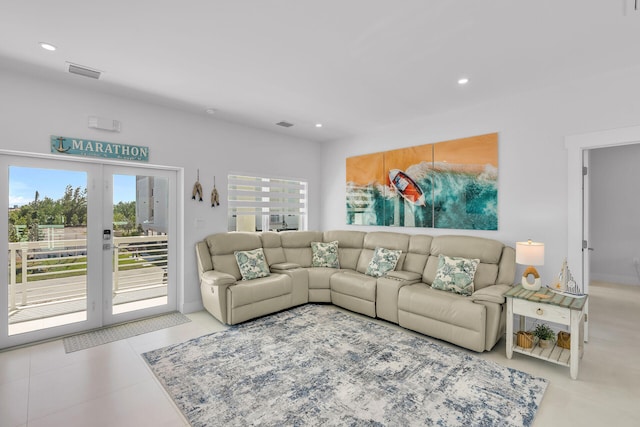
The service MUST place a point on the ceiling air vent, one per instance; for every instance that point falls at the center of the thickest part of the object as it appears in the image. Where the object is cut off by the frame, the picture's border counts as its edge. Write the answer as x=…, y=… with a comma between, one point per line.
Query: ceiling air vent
x=81, y=70
x=284, y=124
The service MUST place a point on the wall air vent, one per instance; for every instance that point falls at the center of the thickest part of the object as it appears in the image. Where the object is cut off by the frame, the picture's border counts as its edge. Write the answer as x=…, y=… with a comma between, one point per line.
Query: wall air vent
x=81, y=70
x=284, y=124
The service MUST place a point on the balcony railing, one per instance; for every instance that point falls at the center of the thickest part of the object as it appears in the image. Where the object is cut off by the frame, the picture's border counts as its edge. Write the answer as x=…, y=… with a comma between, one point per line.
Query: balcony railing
x=50, y=272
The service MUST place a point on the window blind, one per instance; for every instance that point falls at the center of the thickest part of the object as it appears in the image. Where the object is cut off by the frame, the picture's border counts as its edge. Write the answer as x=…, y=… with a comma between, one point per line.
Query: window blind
x=263, y=196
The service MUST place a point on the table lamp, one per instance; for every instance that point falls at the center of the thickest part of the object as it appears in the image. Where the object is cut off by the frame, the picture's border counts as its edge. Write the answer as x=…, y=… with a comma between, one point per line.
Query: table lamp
x=530, y=253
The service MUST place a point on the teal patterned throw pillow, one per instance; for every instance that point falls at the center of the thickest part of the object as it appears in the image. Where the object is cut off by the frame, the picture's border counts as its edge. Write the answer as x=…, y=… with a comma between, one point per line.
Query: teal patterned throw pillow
x=455, y=274
x=325, y=254
x=252, y=264
x=383, y=260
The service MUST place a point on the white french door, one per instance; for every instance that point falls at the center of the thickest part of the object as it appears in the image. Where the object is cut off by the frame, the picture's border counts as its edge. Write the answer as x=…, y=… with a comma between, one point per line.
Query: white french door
x=86, y=244
x=142, y=277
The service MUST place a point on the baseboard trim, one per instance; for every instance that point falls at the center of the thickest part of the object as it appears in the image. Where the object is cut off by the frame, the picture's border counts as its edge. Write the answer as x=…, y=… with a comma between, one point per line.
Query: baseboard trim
x=613, y=278
x=191, y=307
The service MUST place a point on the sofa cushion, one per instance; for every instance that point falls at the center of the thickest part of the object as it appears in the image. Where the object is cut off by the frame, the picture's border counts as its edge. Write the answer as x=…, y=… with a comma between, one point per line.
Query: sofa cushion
x=382, y=239
x=252, y=264
x=257, y=290
x=227, y=264
x=455, y=274
x=223, y=245
x=297, y=245
x=349, y=246
x=324, y=254
x=417, y=254
x=488, y=251
x=272, y=246
x=445, y=307
x=228, y=243
x=320, y=277
x=383, y=260
x=354, y=284
x=486, y=274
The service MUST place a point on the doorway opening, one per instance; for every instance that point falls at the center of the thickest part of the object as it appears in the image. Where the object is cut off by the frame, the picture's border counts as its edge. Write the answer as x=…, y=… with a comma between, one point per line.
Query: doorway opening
x=577, y=208
x=88, y=244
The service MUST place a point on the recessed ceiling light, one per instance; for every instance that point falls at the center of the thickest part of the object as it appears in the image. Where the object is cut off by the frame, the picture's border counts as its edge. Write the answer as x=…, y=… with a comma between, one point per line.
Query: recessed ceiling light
x=210, y=111
x=47, y=46
x=463, y=81
x=318, y=125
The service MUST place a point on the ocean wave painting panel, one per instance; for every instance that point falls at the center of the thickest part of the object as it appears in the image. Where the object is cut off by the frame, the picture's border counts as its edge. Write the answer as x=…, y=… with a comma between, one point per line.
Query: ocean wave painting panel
x=464, y=201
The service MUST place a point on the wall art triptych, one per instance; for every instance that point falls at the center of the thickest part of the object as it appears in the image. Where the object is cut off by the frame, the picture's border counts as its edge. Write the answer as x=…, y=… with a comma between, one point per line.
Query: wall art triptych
x=450, y=184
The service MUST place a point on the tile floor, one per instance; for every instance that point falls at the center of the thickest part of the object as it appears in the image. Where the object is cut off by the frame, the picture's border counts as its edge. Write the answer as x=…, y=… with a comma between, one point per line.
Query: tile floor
x=110, y=385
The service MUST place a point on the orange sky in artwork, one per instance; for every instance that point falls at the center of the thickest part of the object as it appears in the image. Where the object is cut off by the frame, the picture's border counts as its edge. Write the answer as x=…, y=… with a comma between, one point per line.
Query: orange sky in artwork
x=476, y=150
x=366, y=169
x=405, y=157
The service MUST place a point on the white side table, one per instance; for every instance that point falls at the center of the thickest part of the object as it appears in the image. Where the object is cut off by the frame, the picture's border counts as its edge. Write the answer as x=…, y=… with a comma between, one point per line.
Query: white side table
x=549, y=306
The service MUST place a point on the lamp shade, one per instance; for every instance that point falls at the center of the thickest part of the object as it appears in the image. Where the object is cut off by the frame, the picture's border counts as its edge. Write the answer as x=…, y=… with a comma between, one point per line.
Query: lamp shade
x=530, y=253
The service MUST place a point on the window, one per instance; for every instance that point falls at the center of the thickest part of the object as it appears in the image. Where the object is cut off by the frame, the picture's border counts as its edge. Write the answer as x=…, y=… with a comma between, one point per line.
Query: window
x=262, y=204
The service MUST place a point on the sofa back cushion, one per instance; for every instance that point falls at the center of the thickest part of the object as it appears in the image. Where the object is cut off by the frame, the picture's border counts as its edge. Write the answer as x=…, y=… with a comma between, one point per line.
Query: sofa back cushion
x=272, y=246
x=297, y=246
x=488, y=251
x=382, y=239
x=223, y=245
x=416, y=258
x=349, y=246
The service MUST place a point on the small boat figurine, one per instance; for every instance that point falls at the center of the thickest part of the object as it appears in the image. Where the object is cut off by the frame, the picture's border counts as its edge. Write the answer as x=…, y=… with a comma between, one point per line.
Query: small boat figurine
x=407, y=187
x=566, y=284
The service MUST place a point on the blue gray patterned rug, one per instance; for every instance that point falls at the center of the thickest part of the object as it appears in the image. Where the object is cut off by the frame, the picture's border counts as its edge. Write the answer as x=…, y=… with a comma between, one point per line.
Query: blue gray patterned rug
x=316, y=365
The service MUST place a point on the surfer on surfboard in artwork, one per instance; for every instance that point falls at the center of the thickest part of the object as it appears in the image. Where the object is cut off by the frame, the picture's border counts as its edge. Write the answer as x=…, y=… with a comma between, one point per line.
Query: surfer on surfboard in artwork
x=407, y=187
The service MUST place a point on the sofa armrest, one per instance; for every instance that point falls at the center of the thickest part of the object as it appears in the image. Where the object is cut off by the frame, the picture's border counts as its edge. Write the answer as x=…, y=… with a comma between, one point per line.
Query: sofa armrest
x=493, y=293
x=216, y=278
x=404, y=276
x=283, y=266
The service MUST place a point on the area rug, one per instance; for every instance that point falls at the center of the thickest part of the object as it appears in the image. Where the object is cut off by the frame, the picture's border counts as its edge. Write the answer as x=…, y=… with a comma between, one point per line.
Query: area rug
x=317, y=365
x=122, y=331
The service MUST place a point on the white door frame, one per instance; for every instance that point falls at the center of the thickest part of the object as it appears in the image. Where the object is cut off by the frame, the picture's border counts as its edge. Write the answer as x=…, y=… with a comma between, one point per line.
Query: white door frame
x=576, y=145
x=178, y=237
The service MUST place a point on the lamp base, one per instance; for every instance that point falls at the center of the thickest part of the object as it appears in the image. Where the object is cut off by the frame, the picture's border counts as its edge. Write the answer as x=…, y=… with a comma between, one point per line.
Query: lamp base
x=537, y=284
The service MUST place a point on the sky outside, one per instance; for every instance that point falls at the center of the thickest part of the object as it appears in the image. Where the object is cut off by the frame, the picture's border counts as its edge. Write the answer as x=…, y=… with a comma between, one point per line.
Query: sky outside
x=24, y=182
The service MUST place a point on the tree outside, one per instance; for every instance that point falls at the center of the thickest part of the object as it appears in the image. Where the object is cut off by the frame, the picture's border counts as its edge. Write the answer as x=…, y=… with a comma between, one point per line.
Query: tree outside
x=70, y=210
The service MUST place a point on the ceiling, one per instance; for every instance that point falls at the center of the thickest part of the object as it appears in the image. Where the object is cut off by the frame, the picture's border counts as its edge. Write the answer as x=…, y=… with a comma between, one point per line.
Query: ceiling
x=352, y=65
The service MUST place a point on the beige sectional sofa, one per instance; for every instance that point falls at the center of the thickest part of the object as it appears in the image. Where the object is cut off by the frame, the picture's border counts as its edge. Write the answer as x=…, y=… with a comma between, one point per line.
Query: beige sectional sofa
x=403, y=296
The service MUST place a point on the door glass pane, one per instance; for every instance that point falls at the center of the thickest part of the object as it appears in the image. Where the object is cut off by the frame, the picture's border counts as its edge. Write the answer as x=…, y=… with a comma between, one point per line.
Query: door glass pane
x=47, y=248
x=140, y=254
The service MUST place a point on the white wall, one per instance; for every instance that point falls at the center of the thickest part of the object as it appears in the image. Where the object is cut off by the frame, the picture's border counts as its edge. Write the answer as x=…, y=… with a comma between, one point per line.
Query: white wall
x=532, y=158
x=615, y=213
x=32, y=109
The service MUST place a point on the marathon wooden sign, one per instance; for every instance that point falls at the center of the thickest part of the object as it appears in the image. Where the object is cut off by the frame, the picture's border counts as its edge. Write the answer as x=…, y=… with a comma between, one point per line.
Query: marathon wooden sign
x=109, y=150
